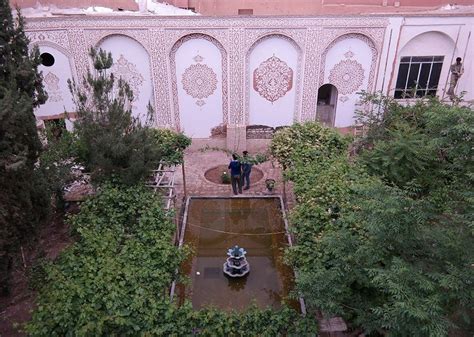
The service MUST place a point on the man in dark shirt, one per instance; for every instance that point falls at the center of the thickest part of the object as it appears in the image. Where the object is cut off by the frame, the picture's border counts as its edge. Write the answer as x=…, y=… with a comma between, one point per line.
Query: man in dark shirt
x=246, y=169
x=235, y=174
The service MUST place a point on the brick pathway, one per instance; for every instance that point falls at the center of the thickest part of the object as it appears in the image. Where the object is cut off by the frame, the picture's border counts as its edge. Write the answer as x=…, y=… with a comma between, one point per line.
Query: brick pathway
x=196, y=163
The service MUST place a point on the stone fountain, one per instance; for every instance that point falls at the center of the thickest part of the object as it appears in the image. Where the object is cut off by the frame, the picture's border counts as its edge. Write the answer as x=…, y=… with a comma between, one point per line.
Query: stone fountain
x=236, y=264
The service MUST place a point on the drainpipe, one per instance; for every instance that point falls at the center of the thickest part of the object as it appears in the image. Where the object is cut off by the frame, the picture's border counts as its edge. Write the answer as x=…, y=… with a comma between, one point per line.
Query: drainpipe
x=395, y=57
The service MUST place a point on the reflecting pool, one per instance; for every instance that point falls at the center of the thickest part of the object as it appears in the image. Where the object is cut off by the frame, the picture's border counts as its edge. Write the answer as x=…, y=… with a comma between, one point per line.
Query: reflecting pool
x=215, y=225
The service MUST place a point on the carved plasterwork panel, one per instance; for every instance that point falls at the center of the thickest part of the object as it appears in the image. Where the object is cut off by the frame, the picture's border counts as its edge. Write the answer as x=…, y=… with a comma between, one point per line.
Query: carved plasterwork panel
x=311, y=77
x=161, y=82
x=195, y=71
x=368, y=41
x=51, y=82
x=199, y=81
x=273, y=79
x=80, y=52
x=347, y=76
x=126, y=70
x=296, y=114
x=158, y=35
x=140, y=35
x=236, y=75
x=56, y=37
x=145, y=22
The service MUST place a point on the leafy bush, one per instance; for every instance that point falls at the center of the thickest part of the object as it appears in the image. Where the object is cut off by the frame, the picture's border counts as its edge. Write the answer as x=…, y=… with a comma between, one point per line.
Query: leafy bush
x=225, y=178
x=386, y=241
x=111, y=140
x=114, y=281
x=305, y=142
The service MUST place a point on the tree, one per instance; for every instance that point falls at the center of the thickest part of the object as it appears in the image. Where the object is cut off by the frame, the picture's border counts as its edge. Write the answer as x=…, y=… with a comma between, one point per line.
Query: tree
x=112, y=142
x=114, y=281
x=23, y=203
x=386, y=240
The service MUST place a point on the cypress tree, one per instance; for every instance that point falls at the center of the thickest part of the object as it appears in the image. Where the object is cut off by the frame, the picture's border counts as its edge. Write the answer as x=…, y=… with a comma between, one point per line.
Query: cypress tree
x=23, y=202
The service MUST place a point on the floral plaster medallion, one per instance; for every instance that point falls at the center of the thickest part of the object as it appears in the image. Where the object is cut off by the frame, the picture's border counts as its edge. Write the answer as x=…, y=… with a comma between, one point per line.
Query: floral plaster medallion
x=199, y=81
x=52, y=87
x=198, y=58
x=347, y=76
x=273, y=79
x=349, y=54
x=129, y=73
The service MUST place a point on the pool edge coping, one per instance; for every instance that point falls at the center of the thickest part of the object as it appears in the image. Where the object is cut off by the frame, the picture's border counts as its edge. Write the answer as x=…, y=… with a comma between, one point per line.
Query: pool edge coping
x=283, y=214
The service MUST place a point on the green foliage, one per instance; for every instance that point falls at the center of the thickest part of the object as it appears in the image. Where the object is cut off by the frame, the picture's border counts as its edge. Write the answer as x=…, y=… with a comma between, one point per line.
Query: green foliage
x=403, y=158
x=169, y=145
x=111, y=140
x=386, y=241
x=225, y=177
x=24, y=202
x=114, y=281
x=57, y=159
x=254, y=160
x=305, y=142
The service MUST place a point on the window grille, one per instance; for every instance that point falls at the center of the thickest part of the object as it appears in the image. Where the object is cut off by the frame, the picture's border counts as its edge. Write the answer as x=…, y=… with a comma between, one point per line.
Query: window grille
x=418, y=76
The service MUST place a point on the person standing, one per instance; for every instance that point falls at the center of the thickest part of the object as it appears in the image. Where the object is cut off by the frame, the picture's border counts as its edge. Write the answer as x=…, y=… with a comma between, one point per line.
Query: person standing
x=246, y=169
x=457, y=70
x=235, y=174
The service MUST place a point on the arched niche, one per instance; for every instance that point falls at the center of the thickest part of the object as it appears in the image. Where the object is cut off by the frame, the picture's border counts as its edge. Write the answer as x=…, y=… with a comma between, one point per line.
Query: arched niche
x=132, y=64
x=198, y=64
x=349, y=64
x=424, y=62
x=327, y=104
x=56, y=70
x=273, y=81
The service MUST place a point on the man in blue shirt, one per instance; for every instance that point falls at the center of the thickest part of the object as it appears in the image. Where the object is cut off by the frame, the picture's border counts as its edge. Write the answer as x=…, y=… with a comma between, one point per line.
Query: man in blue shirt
x=246, y=169
x=235, y=174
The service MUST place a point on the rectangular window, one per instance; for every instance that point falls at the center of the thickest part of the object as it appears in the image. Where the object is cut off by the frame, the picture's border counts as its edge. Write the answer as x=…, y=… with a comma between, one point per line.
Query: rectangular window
x=418, y=76
x=245, y=11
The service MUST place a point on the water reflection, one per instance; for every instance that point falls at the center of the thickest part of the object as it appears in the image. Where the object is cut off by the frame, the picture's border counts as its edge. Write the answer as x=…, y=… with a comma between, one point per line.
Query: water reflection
x=215, y=225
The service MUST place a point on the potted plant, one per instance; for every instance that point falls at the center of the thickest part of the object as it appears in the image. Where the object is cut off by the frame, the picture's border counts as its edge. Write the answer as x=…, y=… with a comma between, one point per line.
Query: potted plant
x=225, y=178
x=270, y=183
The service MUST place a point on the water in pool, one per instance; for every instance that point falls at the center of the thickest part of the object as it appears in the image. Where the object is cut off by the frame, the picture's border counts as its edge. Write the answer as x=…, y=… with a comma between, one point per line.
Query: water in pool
x=215, y=225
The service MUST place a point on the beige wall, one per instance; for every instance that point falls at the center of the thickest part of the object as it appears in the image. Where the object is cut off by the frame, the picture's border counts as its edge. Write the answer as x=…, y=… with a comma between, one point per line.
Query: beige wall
x=307, y=7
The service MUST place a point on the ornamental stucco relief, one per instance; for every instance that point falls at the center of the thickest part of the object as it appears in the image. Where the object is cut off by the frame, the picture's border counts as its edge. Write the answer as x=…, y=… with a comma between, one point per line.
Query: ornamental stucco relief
x=199, y=81
x=347, y=76
x=126, y=70
x=174, y=81
x=273, y=79
x=250, y=36
x=51, y=82
x=354, y=35
x=233, y=36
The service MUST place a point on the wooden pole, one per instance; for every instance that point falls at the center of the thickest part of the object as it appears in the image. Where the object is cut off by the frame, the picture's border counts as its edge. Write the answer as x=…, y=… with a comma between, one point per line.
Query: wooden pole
x=184, y=178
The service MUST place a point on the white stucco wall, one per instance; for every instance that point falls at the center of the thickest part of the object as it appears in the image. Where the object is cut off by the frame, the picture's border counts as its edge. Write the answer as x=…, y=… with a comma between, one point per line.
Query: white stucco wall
x=55, y=83
x=349, y=61
x=131, y=62
x=433, y=43
x=450, y=37
x=234, y=100
x=202, y=62
x=261, y=110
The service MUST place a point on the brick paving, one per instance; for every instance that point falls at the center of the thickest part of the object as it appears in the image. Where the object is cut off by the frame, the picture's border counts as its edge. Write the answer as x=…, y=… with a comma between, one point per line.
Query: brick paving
x=196, y=163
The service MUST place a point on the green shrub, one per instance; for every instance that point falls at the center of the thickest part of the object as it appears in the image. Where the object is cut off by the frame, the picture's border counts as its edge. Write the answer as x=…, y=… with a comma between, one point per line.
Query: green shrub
x=225, y=178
